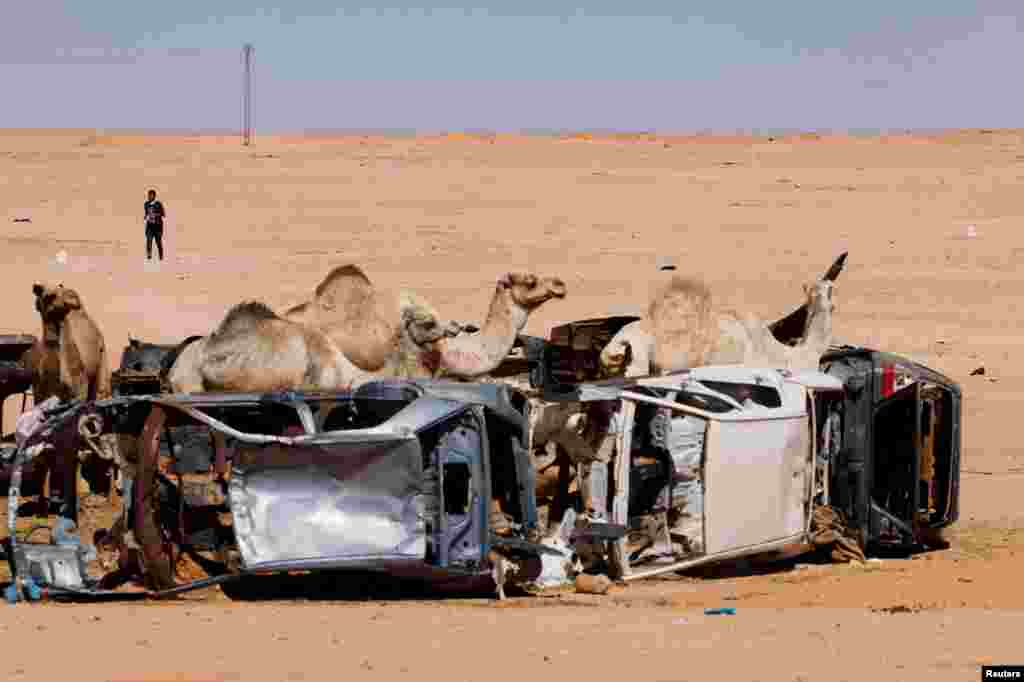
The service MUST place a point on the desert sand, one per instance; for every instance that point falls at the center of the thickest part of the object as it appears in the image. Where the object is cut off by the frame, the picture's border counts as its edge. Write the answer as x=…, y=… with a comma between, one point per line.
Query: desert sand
x=446, y=215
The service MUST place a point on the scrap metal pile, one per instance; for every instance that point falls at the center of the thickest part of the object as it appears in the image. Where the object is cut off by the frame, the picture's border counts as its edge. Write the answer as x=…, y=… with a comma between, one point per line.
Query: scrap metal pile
x=541, y=472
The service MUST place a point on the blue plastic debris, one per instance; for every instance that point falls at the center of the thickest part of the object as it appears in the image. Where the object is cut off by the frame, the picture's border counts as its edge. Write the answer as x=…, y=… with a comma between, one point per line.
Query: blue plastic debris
x=720, y=612
x=32, y=591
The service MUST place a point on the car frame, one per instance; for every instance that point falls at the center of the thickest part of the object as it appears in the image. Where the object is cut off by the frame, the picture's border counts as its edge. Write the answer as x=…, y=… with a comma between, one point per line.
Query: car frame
x=402, y=482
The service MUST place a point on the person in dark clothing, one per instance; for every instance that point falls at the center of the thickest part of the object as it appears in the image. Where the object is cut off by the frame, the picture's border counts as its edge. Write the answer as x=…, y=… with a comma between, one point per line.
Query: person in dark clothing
x=154, y=212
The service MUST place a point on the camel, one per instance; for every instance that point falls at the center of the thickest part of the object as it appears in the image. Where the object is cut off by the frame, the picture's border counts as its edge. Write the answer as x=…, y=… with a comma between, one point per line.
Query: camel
x=692, y=334
x=516, y=296
x=681, y=330
x=70, y=359
x=414, y=343
x=255, y=350
x=687, y=334
x=68, y=362
x=365, y=323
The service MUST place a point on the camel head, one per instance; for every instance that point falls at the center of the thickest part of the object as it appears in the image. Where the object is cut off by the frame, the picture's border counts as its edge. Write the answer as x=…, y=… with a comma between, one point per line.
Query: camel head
x=819, y=297
x=54, y=303
x=421, y=323
x=530, y=291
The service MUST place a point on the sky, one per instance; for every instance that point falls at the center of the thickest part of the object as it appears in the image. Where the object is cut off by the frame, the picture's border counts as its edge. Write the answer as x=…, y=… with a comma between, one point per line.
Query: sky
x=670, y=66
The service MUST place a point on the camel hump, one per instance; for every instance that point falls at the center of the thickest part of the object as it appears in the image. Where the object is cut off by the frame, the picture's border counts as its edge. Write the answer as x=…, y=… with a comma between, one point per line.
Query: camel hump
x=244, y=315
x=343, y=278
x=678, y=295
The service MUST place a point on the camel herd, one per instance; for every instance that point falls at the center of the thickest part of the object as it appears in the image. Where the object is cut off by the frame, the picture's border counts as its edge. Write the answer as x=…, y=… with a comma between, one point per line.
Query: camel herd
x=349, y=332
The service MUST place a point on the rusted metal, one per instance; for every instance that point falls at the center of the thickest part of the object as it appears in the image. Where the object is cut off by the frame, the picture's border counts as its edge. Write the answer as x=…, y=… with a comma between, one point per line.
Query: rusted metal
x=159, y=573
x=220, y=462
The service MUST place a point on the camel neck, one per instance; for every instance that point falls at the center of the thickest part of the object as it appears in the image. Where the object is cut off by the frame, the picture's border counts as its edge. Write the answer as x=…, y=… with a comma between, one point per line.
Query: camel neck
x=476, y=354
x=819, y=328
x=505, y=319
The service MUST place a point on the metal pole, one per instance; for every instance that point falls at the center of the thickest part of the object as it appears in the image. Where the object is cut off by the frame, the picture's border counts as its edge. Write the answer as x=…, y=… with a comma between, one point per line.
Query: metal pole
x=247, y=51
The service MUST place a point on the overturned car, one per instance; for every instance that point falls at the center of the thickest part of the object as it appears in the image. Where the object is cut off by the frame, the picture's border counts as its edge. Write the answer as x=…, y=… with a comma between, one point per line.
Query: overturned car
x=879, y=463
x=425, y=480
x=438, y=481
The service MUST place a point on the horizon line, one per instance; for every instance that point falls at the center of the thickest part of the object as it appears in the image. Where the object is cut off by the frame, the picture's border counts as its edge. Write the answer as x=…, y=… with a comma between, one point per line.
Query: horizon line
x=526, y=132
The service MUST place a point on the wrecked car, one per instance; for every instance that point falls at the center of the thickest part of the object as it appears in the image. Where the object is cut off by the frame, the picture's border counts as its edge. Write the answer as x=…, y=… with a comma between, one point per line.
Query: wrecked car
x=15, y=380
x=887, y=432
x=15, y=376
x=897, y=475
x=707, y=465
x=418, y=479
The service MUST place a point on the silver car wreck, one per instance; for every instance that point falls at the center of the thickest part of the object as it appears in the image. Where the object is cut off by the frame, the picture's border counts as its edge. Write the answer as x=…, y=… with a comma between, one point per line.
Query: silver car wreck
x=425, y=480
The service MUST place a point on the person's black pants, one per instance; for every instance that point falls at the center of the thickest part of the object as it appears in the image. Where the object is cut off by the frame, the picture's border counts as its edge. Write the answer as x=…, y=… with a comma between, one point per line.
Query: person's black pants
x=154, y=233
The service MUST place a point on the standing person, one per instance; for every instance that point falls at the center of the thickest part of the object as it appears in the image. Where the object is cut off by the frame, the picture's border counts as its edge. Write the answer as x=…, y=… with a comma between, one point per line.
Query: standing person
x=154, y=212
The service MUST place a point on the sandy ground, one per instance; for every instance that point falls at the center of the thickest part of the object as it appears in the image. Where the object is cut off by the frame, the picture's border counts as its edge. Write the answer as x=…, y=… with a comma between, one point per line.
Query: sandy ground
x=447, y=216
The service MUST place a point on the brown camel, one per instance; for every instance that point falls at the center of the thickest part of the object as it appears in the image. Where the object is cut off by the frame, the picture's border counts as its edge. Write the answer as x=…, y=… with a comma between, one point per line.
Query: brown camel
x=70, y=359
x=377, y=331
x=403, y=336
x=255, y=350
x=68, y=362
x=516, y=295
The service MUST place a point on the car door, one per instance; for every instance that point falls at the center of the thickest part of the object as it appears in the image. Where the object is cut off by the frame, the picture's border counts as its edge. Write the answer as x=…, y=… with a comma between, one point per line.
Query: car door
x=457, y=461
x=756, y=476
x=896, y=465
x=757, y=471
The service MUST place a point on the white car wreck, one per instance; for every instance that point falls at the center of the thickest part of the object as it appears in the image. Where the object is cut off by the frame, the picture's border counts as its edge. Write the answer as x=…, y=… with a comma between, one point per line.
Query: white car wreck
x=702, y=466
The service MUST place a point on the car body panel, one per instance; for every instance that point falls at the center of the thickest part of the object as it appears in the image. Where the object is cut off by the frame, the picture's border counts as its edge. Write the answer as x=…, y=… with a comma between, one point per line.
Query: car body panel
x=330, y=506
x=758, y=475
x=395, y=477
x=755, y=482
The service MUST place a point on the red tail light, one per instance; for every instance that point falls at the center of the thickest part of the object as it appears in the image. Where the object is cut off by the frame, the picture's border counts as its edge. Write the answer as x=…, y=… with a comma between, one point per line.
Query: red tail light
x=888, y=380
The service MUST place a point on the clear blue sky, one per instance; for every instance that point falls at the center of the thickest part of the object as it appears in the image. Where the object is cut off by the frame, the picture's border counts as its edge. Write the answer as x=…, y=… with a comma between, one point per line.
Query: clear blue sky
x=675, y=66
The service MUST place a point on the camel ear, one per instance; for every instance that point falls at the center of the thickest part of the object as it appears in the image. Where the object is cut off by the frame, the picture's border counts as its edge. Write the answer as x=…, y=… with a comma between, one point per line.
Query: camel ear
x=37, y=289
x=71, y=299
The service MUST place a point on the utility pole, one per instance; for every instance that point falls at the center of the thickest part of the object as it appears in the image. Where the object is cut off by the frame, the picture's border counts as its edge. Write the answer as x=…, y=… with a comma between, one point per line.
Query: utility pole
x=247, y=95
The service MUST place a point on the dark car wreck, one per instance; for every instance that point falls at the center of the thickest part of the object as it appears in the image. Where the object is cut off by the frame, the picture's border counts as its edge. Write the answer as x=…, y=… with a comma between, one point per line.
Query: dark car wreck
x=423, y=480
x=15, y=376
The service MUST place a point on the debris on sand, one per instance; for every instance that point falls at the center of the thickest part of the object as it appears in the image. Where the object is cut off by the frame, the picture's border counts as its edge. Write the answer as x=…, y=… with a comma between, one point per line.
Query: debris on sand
x=979, y=372
x=22, y=220
x=898, y=608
